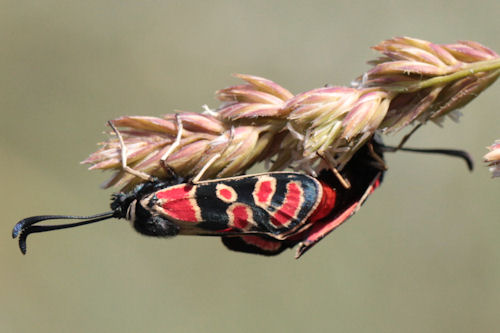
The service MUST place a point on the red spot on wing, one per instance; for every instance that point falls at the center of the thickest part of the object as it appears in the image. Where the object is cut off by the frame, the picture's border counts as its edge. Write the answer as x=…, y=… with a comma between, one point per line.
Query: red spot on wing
x=178, y=203
x=240, y=216
x=264, y=192
x=225, y=193
x=291, y=205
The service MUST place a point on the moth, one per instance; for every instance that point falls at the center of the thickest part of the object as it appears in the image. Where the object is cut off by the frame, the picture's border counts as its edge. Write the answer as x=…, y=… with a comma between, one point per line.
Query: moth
x=262, y=213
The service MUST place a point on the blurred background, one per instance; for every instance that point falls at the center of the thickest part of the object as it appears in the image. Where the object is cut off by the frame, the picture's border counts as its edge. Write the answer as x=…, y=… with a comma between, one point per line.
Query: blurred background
x=421, y=256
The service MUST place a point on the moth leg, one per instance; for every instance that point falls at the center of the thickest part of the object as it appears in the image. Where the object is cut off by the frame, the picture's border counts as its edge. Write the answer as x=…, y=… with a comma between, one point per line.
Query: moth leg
x=214, y=158
x=173, y=146
x=123, y=153
x=205, y=168
x=345, y=182
x=380, y=161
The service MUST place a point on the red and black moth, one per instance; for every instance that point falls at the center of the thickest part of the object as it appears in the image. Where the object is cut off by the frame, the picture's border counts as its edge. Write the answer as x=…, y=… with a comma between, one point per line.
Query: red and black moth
x=263, y=213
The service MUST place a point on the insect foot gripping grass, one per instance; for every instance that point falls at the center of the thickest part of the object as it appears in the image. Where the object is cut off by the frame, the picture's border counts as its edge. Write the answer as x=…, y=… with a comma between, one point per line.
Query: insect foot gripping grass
x=263, y=213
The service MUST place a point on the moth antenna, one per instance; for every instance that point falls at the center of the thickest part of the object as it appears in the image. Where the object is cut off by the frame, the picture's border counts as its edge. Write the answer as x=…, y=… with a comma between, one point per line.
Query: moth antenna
x=448, y=152
x=123, y=154
x=26, y=226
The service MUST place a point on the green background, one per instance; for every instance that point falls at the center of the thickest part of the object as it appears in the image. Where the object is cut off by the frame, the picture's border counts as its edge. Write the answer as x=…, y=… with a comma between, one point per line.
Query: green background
x=422, y=255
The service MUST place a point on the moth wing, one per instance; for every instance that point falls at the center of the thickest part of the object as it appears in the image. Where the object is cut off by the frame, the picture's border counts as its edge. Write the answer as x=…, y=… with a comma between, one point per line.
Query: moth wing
x=256, y=244
x=320, y=229
x=274, y=204
x=288, y=199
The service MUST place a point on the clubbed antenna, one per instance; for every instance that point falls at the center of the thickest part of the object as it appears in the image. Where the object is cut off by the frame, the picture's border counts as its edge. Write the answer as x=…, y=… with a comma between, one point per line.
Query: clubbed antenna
x=26, y=226
x=448, y=152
